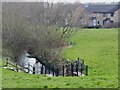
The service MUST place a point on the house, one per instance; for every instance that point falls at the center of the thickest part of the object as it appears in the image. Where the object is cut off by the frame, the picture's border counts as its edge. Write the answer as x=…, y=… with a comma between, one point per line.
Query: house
x=100, y=15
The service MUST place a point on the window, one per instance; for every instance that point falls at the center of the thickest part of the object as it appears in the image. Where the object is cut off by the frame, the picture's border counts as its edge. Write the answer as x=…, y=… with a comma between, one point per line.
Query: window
x=98, y=14
x=80, y=17
x=104, y=15
x=112, y=21
x=98, y=22
x=112, y=14
x=103, y=22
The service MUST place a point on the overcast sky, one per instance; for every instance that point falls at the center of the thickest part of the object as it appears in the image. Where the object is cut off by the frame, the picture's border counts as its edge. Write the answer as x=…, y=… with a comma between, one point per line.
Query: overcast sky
x=82, y=1
x=108, y=1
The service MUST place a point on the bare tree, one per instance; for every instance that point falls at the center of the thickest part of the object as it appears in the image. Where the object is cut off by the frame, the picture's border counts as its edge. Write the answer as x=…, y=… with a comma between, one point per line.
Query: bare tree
x=38, y=28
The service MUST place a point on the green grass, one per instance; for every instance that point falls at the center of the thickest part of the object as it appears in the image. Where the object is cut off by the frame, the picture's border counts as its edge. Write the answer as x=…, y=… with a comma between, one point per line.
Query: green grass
x=0, y=72
x=98, y=48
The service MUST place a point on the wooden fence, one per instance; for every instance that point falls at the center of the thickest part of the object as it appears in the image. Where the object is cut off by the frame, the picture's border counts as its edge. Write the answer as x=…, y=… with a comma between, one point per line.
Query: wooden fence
x=75, y=68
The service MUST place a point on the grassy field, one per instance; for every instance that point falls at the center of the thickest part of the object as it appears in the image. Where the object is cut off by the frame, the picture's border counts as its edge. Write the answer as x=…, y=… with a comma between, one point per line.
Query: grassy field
x=98, y=48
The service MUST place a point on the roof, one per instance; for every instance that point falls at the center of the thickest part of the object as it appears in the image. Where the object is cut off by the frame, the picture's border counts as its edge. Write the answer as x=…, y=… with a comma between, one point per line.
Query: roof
x=102, y=8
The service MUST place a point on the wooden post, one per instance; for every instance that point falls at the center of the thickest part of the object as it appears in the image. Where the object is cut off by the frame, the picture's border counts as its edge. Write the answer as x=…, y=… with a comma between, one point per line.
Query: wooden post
x=33, y=69
x=49, y=70
x=86, y=71
x=57, y=73
x=77, y=68
x=28, y=68
x=53, y=71
x=45, y=70
x=81, y=68
x=72, y=68
x=63, y=71
x=16, y=67
x=6, y=62
x=78, y=61
x=42, y=69
x=67, y=71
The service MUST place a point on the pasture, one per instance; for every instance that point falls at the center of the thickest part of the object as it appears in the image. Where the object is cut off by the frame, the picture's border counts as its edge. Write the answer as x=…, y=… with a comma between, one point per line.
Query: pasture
x=98, y=48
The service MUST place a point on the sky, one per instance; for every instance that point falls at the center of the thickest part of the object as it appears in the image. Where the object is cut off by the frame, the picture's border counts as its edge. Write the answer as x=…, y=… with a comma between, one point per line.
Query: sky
x=82, y=1
x=72, y=1
x=108, y=1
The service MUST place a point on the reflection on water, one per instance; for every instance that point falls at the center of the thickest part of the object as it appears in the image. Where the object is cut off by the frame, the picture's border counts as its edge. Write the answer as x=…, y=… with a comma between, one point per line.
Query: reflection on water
x=25, y=60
